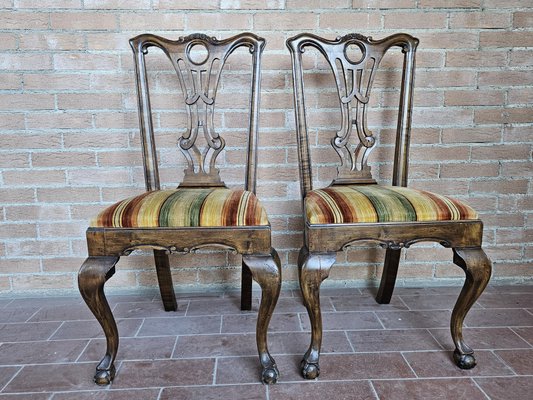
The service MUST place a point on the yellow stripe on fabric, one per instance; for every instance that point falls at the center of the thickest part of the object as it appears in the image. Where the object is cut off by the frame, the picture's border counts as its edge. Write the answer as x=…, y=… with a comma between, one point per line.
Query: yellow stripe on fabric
x=362, y=206
x=182, y=208
x=241, y=209
x=211, y=213
x=390, y=206
x=332, y=206
x=149, y=210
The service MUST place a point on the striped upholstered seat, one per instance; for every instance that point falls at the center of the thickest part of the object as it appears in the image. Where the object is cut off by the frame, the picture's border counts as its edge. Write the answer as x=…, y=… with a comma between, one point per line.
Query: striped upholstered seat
x=184, y=207
x=375, y=203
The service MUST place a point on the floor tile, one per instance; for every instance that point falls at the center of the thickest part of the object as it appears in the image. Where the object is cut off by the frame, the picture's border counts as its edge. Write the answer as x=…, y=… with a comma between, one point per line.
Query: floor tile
x=218, y=306
x=431, y=302
x=244, y=323
x=27, y=396
x=316, y=390
x=53, y=378
x=508, y=300
x=17, y=314
x=55, y=351
x=525, y=333
x=482, y=338
x=498, y=317
x=146, y=348
x=513, y=387
x=107, y=394
x=142, y=374
x=435, y=364
x=29, y=331
x=72, y=312
x=392, y=340
x=92, y=329
x=521, y=361
x=180, y=326
x=345, y=320
x=233, y=392
x=145, y=309
x=238, y=370
x=6, y=373
x=365, y=302
x=422, y=389
x=414, y=319
x=215, y=345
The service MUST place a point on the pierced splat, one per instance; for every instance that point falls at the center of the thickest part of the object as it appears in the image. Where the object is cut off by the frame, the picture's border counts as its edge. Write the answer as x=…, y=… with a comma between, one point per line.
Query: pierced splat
x=198, y=61
x=354, y=60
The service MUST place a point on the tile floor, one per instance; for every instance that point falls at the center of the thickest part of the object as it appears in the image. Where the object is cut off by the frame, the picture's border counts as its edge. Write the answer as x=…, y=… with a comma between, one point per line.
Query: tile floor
x=206, y=350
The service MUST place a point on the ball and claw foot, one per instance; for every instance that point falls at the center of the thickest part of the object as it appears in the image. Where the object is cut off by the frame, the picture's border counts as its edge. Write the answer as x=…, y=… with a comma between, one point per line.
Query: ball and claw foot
x=270, y=375
x=464, y=361
x=309, y=370
x=104, y=376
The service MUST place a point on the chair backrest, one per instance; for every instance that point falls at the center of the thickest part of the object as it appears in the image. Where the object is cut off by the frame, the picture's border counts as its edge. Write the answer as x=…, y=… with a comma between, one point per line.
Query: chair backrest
x=198, y=61
x=354, y=79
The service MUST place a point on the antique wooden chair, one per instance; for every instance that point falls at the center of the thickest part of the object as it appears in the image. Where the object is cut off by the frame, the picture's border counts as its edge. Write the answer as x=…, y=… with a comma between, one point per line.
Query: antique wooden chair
x=202, y=211
x=354, y=208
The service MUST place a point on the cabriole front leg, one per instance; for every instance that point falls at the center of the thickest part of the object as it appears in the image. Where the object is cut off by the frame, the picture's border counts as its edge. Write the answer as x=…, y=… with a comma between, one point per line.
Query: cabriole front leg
x=312, y=270
x=477, y=268
x=93, y=274
x=266, y=271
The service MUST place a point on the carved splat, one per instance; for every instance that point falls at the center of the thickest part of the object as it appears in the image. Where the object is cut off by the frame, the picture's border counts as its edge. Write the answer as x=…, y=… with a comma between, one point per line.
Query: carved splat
x=198, y=61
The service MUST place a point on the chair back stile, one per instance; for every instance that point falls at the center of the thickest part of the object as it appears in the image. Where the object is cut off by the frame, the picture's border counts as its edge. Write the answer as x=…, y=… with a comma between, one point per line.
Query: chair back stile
x=199, y=80
x=354, y=79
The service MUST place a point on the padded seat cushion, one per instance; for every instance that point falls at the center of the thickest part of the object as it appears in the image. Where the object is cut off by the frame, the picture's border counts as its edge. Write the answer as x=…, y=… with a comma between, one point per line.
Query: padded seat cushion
x=184, y=207
x=375, y=203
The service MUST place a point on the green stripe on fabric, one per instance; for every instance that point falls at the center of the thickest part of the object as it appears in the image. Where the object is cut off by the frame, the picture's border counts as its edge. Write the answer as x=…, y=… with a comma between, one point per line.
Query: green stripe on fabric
x=389, y=205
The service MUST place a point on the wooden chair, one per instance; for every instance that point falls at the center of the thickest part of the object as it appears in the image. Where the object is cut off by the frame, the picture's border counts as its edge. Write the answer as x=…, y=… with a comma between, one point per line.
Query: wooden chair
x=202, y=211
x=354, y=208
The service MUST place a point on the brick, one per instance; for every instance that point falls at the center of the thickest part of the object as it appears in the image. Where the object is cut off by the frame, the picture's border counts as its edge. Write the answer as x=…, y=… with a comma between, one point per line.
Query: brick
x=346, y=20
x=219, y=21
x=27, y=101
x=523, y=19
x=442, y=78
x=60, y=230
x=62, y=264
x=289, y=21
x=116, y=4
x=61, y=120
x=506, y=39
x=149, y=20
x=518, y=186
x=513, y=169
x=15, y=160
x=11, y=122
x=18, y=231
x=95, y=140
x=8, y=41
x=472, y=135
x=448, y=40
x=81, y=21
x=11, y=81
x=15, y=20
x=20, y=266
x=13, y=196
x=480, y=20
x=521, y=58
x=85, y=61
x=469, y=170
x=383, y=4
x=34, y=177
x=98, y=176
x=30, y=141
x=56, y=81
x=442, y=117
x=48, y=4
x=503, y=115
x=508, y=3
x=501, y=152
x=68, y=195
x=420, y=20
x=253, y=4
x=64, y=159
x=52, y=41
x=520, y=96
x=450, y=3
x=511, y=78
x=474, y=97
x=185, y=5
x=517, y=134
x=43, y=281
x=476, y=58
x=89, y=101
x=18, y=61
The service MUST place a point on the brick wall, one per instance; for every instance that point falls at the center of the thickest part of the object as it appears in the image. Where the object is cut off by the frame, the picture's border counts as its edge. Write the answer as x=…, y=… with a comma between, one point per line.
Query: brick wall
x=69, y=141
